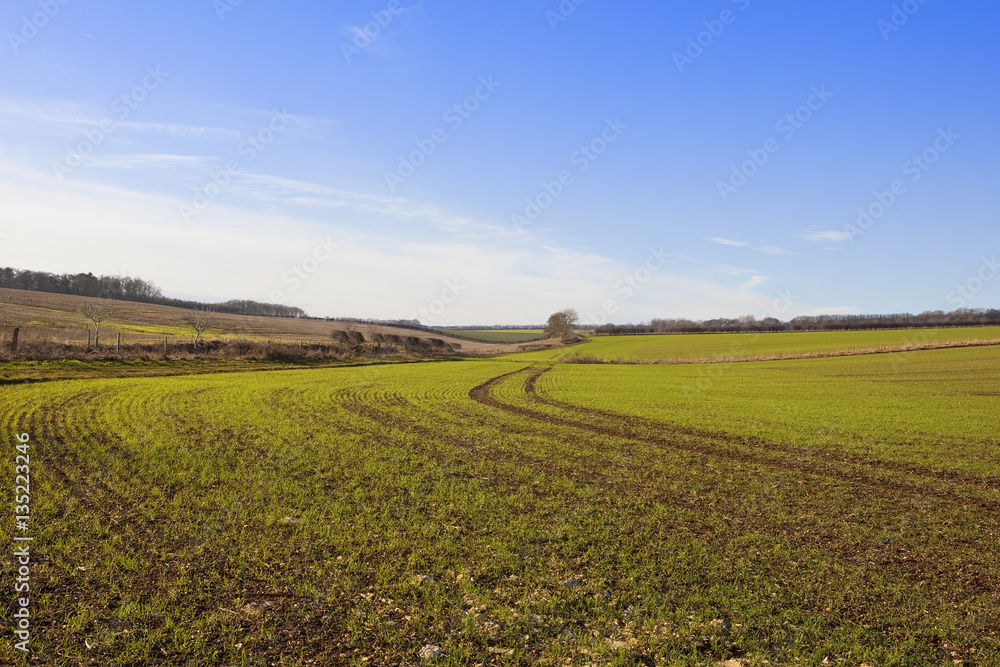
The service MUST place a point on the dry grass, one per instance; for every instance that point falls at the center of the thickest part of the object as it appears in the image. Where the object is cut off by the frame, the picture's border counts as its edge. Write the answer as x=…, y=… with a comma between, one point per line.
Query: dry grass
x=41, y=347
x=42, y=316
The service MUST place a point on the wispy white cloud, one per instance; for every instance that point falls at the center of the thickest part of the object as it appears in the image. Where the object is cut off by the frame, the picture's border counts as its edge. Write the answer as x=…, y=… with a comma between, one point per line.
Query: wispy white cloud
x=264, y=187
x=246, y=251
x=774, y=250
x=753, y=282
x=824, y=236
x=729, y=242
x=44, y=109
x=180, y=131
x=565, y=254
x=64, y=117
x=730, y=270
x=375, y=36
x=150, y=161
x=71, y=116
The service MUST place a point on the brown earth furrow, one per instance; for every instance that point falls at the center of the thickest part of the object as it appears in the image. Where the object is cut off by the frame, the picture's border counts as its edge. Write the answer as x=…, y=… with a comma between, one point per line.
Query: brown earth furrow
x=829, y=534
x=949, y=476
x=622, y=426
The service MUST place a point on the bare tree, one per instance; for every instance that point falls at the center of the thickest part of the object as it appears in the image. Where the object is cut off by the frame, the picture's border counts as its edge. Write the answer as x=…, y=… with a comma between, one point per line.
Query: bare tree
x=97, y=312
x=748, y=322
x=562, y=324
x=199, y=320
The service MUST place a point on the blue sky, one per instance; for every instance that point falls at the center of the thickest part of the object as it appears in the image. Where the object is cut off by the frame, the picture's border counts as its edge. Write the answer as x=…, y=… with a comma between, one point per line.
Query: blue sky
x=464, y=163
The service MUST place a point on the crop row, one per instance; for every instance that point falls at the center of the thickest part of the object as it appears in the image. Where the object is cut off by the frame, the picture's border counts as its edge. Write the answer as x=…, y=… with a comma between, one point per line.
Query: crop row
x=499, y=510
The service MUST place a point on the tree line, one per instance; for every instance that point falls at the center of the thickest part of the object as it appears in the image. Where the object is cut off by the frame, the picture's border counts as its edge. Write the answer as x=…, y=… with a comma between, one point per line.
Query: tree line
x=963, y=317
x=126, y=288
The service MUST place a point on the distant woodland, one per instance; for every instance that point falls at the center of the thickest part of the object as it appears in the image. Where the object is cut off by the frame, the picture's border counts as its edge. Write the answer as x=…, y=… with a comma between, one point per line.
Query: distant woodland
x=963, y=317
x=125, y=288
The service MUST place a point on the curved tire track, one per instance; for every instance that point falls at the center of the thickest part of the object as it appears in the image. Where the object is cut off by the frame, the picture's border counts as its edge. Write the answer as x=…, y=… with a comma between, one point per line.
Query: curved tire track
x=718, y=445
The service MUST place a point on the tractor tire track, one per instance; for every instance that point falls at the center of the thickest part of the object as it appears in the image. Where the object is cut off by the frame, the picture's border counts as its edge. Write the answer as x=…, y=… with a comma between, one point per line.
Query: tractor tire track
x=948, y=476
x=716, y=519
x=703, y=443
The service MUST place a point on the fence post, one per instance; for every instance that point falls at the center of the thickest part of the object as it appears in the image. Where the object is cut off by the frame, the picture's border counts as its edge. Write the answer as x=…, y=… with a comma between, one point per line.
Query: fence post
x=88, y=340
x=13, y=341
x=119, y=348
x=164, y=346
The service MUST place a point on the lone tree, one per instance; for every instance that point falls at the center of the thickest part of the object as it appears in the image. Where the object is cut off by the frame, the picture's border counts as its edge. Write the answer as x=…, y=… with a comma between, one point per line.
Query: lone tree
x=97, y=312
x=199, y=320
x=562, y=324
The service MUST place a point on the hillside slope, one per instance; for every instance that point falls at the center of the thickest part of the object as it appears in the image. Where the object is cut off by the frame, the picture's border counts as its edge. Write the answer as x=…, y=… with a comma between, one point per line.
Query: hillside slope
x=42, y=315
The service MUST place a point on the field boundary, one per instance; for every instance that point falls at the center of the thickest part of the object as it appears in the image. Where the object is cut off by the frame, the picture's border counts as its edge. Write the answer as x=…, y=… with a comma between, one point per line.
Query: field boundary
x=724, y=446
x=579, y=358
x=32, y=372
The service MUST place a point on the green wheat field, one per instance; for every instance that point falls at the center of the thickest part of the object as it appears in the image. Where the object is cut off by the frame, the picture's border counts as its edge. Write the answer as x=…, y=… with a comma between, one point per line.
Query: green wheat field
x=518, y=510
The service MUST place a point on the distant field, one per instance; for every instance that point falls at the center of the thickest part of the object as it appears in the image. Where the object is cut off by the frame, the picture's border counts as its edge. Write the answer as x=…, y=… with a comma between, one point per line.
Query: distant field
x=723, y=347
x=903, y=406
x=43, y=316
x=499, y=335
x=512, y=512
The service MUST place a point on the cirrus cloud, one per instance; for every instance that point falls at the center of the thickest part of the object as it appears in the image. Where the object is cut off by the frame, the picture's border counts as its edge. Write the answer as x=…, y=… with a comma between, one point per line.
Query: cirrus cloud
x=824, y=236
x=729, y=242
